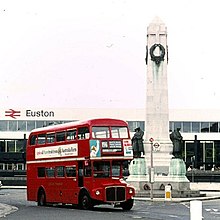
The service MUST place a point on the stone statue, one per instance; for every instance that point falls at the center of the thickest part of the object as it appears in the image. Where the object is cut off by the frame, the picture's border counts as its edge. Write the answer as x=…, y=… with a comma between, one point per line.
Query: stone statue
x=137, y=143
x=177, y=140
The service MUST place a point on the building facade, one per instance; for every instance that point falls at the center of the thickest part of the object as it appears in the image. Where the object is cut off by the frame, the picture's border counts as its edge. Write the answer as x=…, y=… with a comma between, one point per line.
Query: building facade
x=200, y=130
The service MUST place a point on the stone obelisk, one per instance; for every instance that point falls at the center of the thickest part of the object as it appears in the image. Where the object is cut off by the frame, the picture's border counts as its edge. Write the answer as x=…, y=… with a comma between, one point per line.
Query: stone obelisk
x=157, y=111
x=158, y=167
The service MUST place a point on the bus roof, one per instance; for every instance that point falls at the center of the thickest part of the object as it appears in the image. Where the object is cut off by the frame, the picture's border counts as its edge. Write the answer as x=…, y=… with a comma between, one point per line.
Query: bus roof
x=68, y=125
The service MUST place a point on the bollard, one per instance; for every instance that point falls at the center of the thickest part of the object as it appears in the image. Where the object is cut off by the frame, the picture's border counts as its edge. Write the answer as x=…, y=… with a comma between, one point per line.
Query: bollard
x=168, y=193
x=195, y=210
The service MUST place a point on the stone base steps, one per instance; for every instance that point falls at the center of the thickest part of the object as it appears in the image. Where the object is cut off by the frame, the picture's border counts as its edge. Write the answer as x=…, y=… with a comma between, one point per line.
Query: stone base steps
x=174, y=194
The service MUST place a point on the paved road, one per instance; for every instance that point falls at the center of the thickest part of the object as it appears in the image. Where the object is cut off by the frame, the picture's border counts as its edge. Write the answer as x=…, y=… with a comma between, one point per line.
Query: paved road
x=20, y=208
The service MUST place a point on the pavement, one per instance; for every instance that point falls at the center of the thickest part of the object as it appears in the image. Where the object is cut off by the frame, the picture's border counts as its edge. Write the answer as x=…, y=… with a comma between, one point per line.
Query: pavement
x=6, y=210
x=210, y=195
x=212, y=191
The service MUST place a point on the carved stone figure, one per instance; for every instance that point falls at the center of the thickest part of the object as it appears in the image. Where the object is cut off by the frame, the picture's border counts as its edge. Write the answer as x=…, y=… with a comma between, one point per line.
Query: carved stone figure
x=137, y=143
x=177, y=140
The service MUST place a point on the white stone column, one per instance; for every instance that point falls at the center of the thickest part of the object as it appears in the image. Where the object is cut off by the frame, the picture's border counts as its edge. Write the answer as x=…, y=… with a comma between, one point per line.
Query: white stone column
x=157, y=111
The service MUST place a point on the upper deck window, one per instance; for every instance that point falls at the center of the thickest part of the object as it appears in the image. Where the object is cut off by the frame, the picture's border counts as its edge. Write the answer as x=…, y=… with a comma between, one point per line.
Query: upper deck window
x=71, y=135
x=100, y=132
x=51, y=138
x=119, y=132
x=83, y=133
x=41, y=139
x=60, y=136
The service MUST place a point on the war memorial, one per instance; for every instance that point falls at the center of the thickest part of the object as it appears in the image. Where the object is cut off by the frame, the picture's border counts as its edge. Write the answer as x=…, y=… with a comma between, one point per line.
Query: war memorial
x=157, y=163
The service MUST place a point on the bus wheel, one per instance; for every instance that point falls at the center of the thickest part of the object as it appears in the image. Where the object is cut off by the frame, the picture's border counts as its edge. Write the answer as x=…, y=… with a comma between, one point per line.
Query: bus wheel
x=127, y=205
x=41, y=198
x=85, y=201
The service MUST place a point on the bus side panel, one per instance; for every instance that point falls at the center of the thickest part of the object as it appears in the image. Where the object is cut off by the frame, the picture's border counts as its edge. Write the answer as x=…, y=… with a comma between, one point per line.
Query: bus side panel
x=34, y=183
x=70, y=191
x=83, y=148
x=31, y=191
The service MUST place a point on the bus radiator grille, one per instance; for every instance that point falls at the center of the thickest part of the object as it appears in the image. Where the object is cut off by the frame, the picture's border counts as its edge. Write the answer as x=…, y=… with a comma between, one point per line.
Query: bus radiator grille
x=115, y=194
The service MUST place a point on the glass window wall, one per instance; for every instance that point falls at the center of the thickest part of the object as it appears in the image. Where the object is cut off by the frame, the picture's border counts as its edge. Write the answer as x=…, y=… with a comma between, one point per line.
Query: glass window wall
x=3, y=125
x=10, y=146
x=186, y=127
x=19, y=145
x=135, y=124
x=177, y=125
x=213, y=126
x=204, y=126
x=22, y=126
x=13, y=126
x=196, y=127
x=30, y=125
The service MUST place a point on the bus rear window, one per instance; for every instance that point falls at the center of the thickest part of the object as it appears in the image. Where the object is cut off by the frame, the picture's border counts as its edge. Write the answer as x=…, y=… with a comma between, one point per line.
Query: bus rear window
x=100, y=132
x=119, y=132
x=33, y=140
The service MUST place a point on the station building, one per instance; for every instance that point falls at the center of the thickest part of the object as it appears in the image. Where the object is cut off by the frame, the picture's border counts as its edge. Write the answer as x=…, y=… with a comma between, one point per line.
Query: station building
x=200, y=130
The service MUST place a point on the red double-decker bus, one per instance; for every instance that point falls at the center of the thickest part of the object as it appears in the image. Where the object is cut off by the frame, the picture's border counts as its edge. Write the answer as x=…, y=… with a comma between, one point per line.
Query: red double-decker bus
x=80, y=163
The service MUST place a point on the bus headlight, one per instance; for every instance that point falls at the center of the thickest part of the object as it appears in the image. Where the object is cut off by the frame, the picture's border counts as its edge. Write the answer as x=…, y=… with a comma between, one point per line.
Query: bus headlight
x=97, y=192
x=130, y=191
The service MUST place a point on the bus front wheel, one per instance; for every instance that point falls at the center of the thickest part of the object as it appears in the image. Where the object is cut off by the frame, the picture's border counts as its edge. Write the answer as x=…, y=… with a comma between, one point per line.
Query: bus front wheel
x=127, y=205
x=41, y=198
x=85, y=201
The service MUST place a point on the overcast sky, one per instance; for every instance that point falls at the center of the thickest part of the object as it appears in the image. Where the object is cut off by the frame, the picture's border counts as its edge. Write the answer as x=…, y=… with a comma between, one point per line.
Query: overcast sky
x=91, y=53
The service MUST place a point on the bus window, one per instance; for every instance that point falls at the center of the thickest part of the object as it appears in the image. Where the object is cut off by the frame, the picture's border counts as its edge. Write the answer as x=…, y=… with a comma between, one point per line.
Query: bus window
x=41, y=139
x=87, y=170
x=71, y=171
x=50, y=172
x=41, y=171
x=119, y=132
x=100, y=132
x=60, y=136
x=60, y=171
x=51, y=138
x=83, y=133
x=33, y=140
x=125, y=168
x=101, y=169
x=116, y=168
x=71, y=135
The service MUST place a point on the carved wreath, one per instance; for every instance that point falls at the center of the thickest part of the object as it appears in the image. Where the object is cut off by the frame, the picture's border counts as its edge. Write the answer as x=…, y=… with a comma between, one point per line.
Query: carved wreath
x=159, y=58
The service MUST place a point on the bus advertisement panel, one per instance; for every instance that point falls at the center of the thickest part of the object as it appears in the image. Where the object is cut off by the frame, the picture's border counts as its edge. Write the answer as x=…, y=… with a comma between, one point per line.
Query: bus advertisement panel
x=80, y=163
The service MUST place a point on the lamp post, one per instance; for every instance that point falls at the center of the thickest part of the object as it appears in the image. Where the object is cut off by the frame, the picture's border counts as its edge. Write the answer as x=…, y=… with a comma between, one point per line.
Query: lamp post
x=151, y=176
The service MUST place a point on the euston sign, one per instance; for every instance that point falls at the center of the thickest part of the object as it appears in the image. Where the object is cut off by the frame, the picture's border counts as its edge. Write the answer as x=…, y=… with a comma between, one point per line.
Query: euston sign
x=40, y=113
x=29, y=113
